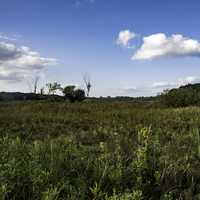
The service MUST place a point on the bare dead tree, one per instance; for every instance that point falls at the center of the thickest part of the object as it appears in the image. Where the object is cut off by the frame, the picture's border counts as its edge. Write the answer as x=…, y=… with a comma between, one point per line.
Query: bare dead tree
x=53, y=87
x=36, y=80
x=42, y=90
x=32, y=83
x=88, y=84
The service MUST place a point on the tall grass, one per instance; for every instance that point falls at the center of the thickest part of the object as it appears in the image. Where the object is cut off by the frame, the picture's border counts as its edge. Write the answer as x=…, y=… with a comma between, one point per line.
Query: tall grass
x=111, y=151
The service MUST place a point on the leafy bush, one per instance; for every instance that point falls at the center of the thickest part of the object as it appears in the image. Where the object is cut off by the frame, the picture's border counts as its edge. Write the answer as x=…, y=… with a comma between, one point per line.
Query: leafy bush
x=73, y=94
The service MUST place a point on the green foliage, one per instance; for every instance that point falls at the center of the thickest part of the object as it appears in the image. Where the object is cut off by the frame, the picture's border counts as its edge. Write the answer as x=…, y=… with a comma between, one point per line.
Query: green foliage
x=73, y=94
x=168, y=196
x=79, y=95
x=184, y=96
x=134, y=195
x=99, y=151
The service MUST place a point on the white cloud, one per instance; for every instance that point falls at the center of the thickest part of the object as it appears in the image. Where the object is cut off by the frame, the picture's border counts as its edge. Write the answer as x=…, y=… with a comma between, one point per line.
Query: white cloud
x=18, y=63
x=124, y=37
x=159, y=45
x=5, y=37
x=127, y=90
x=188, y=80
x=8, y=51
x=122, y=91
x=174, y=84
x=163, y=84
x=151, y=89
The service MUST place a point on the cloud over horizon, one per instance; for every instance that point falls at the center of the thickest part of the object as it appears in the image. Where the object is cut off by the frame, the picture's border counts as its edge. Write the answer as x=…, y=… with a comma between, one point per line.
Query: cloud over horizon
x=174, y=84
x=159, y=45
x=154, y=88
x=18, y=63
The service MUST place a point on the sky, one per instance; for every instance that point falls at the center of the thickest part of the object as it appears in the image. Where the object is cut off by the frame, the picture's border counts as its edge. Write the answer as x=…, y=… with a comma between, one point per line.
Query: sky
x=125, y=47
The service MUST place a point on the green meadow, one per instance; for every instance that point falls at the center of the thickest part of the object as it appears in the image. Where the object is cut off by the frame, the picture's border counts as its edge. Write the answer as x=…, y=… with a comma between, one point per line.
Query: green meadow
x=98, y=150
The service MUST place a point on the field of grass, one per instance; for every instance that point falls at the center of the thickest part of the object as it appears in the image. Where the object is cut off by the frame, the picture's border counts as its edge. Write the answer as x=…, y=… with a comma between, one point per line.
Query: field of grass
x=98, y=150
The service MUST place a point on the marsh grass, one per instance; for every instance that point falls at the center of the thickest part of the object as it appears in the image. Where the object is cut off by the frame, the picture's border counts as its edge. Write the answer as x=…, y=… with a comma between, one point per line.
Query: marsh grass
x=111, y=151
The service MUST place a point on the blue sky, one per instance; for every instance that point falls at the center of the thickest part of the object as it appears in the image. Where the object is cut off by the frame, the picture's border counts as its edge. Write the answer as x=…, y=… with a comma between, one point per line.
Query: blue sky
x=78, y=37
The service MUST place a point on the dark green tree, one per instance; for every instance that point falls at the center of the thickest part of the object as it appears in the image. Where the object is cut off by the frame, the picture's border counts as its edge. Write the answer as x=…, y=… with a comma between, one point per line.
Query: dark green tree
x=79, y=95
x=68, y=92
x=72, y=94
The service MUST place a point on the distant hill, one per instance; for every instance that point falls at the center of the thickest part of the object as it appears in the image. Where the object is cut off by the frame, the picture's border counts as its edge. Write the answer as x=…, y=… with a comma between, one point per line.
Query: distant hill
x=187, y=95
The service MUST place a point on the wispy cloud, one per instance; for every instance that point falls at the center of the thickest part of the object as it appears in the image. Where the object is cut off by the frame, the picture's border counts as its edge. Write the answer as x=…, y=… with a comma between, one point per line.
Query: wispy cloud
x=153, y=88
x=164, y=84
x=9, y=38
x=177, y=83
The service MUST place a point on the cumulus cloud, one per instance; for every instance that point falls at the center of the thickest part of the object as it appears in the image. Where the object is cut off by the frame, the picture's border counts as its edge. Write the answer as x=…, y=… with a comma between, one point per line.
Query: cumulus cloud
x=159, y=45
x=8, y=51
x=17, y=63
x=124, y=37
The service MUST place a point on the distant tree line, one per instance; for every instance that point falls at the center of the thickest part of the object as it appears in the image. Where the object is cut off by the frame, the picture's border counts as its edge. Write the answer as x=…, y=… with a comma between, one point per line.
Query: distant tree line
x=188, y=95
x=50, y=91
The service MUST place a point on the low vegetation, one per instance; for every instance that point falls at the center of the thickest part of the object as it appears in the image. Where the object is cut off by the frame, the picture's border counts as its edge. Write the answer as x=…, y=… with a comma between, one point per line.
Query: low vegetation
x=98, y=150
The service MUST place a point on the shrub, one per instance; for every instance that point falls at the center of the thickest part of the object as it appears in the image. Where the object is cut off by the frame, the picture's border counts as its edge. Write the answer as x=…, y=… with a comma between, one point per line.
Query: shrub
x=73, y=94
